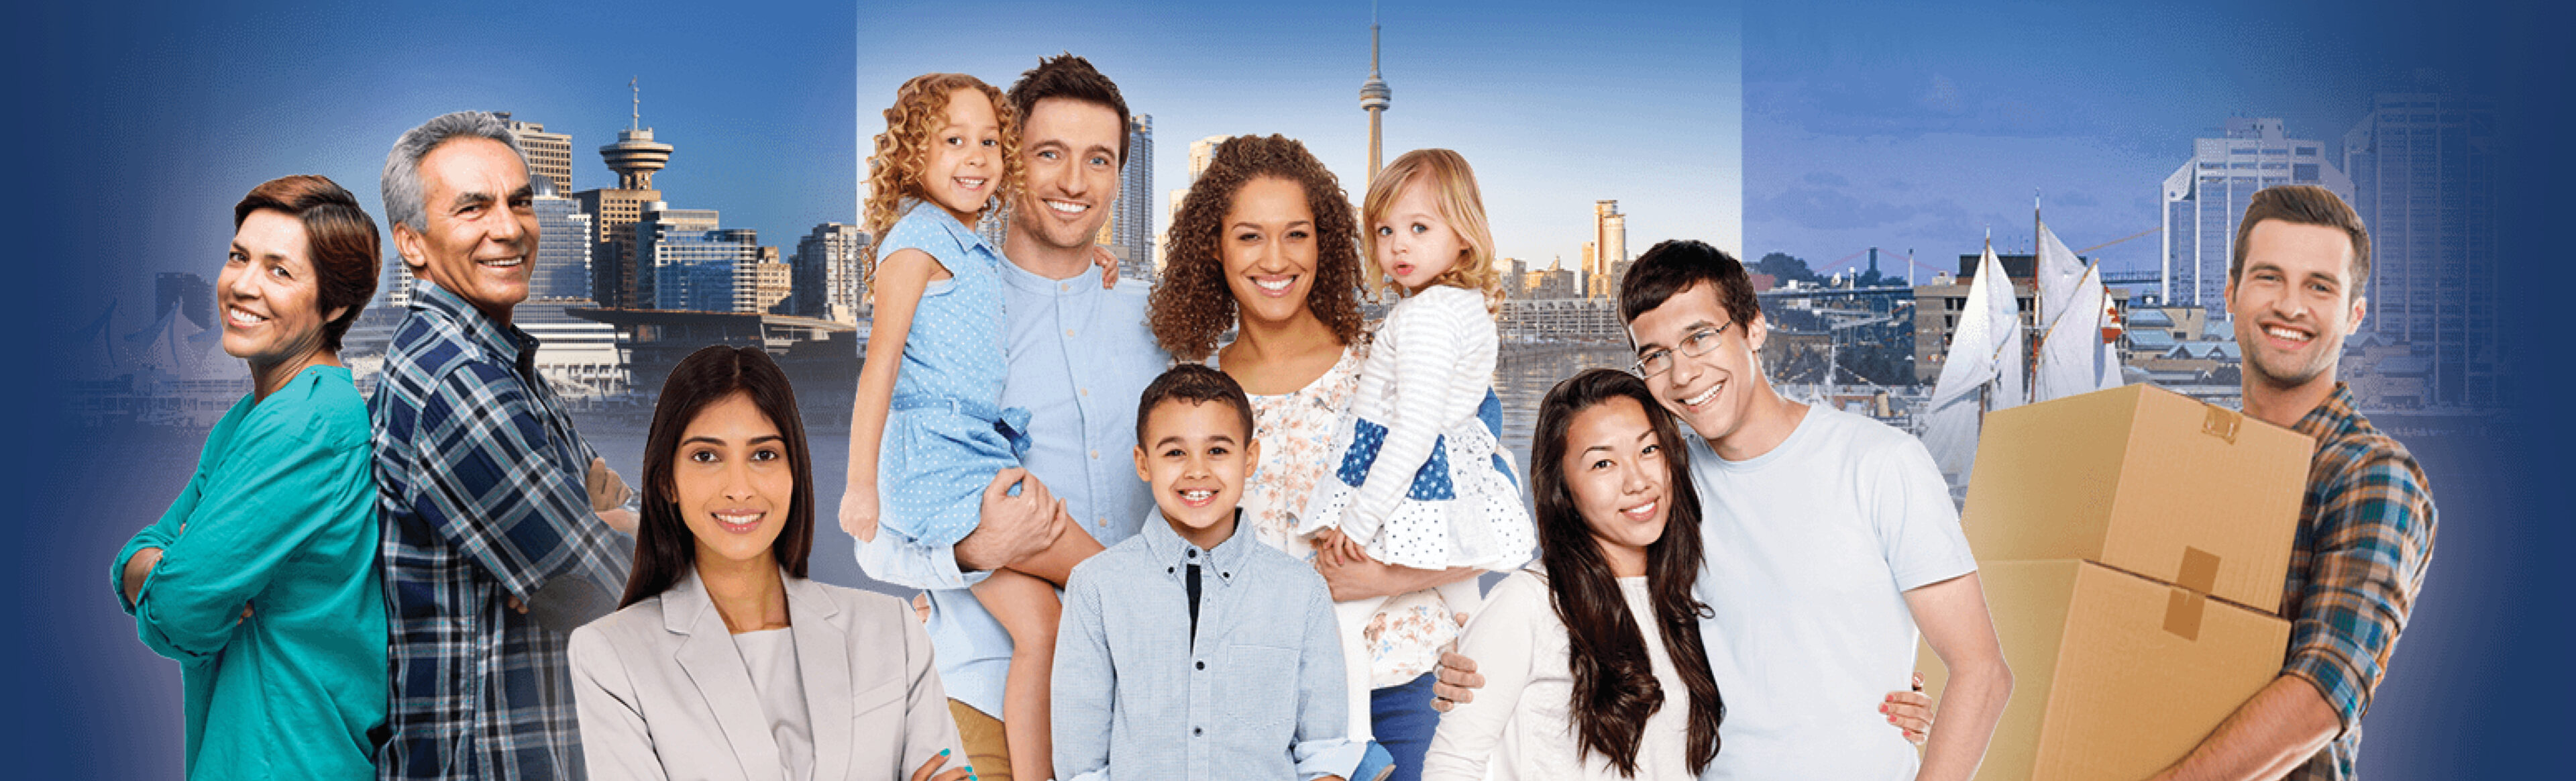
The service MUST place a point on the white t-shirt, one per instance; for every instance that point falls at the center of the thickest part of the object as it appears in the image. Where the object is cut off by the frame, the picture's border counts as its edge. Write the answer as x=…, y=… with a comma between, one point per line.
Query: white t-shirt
x=1810, y=548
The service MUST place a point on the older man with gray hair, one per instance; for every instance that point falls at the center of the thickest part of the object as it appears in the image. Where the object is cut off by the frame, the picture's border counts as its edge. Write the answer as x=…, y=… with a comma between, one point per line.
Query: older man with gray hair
x=497, y=516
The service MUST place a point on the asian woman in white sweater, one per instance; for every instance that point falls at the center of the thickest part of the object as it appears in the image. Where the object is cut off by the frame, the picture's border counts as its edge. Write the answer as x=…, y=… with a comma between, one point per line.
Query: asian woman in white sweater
x=1593, y=663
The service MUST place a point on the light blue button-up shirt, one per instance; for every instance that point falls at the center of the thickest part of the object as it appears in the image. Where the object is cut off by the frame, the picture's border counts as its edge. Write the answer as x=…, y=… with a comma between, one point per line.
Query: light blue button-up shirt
x=1257, y=694
x=1079, y=358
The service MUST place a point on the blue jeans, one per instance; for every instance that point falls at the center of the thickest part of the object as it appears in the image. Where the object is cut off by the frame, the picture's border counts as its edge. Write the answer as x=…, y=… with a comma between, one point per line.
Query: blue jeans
x=1402, y=719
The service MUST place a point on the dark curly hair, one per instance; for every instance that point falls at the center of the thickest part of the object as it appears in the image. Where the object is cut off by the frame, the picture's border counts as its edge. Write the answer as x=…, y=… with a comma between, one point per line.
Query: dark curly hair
x=1191, y=305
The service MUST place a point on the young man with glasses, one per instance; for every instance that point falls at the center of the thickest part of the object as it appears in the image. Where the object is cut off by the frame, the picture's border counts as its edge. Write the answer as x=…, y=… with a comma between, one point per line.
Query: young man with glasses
x=1830, y=541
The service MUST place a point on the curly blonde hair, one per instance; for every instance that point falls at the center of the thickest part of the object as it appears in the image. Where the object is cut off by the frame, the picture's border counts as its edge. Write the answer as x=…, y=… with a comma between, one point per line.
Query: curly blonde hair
x=1191, y=305
x=1460, y=204
x=894, y=172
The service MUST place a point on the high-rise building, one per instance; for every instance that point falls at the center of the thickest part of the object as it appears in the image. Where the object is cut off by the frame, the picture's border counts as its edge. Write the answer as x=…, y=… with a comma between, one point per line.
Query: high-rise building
x=549, y=154
x=2204, y=199
x=770, y=284
x=564, y=243
x=2424, y=168
x=1606, y=257
x=703, y=270
x=671, y=242
x=1202, y=152
x=187, y=291
x=617, y=279
x=1375, y=98
x=827, y=273
x=1130, y=231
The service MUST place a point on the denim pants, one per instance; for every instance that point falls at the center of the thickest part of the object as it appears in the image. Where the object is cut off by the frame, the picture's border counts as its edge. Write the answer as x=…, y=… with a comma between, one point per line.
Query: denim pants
x=1402, y=718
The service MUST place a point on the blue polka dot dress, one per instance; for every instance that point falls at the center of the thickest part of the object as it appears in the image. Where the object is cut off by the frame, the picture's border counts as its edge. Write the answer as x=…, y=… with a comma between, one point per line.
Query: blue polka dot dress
x=946, y=432
x=1422, y=479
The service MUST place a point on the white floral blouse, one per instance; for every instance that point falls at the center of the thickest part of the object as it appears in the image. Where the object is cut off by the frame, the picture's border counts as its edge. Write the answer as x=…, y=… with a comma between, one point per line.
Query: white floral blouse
x=1296, y=435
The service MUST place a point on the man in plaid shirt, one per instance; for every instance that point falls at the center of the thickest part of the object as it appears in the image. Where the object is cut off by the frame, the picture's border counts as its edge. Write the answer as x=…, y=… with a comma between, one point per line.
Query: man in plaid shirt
x=497, y=535
x=2366, y=529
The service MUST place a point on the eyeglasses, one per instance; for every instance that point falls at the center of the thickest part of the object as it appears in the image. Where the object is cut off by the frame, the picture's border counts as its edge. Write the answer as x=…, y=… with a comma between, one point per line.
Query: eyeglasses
x=1660, y=359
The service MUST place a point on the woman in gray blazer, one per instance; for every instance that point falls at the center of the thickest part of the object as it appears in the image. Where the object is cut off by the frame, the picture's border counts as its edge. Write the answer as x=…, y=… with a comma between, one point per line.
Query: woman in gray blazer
x=725, y=662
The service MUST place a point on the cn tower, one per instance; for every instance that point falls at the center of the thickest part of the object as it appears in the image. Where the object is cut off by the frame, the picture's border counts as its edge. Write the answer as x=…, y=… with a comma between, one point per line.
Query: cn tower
x=1374, y=98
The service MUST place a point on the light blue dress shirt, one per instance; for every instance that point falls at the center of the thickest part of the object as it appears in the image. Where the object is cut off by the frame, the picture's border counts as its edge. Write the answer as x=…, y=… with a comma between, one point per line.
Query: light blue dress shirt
x=1079, y=357
x=1256, y=694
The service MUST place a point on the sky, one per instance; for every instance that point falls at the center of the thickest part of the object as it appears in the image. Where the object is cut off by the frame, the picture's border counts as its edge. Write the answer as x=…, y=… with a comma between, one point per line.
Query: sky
x=1554, y=105
x=189, y=107
x=1903, y=126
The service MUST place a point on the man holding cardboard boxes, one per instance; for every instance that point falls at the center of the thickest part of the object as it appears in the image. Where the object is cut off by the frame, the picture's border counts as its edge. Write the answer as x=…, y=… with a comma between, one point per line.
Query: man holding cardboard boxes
x=2366, y=526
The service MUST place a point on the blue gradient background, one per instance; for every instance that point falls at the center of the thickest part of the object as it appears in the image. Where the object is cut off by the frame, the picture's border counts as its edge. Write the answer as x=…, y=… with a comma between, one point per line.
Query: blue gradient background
x=132, y=131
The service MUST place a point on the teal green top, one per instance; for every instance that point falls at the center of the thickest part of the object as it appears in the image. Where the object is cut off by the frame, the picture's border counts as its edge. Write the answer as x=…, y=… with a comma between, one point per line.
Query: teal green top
x=280, y=517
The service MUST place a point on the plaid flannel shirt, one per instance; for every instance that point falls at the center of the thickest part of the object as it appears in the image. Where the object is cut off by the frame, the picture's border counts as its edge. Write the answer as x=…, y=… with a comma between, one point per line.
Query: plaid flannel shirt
x=479, y=480
x=2365, y=538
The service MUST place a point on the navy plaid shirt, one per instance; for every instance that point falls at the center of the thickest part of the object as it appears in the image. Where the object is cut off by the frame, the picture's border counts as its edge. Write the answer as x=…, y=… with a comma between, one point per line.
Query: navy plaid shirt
x=479, y=483
x=2365, y=538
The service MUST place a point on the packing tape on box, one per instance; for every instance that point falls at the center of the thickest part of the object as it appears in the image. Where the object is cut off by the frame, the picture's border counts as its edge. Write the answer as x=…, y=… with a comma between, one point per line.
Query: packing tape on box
x=2183, y=607
x=2182, y=613
x=2221, y=422
x=2199, y=570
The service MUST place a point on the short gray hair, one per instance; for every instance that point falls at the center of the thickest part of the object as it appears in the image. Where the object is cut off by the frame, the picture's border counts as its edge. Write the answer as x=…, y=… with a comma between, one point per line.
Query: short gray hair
x=403, y=195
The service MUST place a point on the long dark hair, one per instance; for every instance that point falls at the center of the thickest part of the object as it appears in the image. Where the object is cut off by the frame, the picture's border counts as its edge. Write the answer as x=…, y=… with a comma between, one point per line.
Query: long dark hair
x=1614, y=683
x=664, y=548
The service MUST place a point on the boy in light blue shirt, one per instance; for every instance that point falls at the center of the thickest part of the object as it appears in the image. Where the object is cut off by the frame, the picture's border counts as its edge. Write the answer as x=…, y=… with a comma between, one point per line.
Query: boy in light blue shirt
x=1189, y=651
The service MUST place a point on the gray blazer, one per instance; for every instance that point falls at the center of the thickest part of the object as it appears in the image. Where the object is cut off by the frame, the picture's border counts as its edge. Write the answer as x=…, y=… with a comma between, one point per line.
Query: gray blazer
x=663, y=695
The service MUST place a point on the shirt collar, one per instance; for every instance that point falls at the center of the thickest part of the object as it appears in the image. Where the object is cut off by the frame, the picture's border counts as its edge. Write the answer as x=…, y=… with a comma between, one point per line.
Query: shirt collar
x=1027, y=281
x=2332, y=417
x=506, y=342
x=1225, y=562
x=963, y=233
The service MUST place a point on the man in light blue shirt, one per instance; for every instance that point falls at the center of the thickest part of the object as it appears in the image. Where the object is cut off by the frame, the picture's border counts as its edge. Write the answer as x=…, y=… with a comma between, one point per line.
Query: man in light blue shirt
x=1079, y=354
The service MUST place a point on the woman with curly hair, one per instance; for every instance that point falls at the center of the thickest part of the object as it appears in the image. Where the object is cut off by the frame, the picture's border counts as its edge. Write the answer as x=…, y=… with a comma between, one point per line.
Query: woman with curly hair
x=927, y=425
x=1266, y=244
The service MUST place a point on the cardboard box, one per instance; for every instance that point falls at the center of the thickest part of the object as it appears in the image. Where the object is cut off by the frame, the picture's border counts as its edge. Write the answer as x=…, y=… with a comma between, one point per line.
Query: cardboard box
x=2115, y=676
x=2144, y=480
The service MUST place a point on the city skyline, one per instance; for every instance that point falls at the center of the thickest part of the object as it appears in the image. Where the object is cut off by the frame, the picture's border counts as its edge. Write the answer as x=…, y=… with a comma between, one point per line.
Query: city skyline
x=1555, y=107
x=763, y=131
x=1918, y=128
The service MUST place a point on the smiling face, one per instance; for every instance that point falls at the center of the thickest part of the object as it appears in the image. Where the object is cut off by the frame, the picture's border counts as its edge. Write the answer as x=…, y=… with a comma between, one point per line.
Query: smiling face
x=482, y=225
x=269, y=292
x=1616, y=470
x=1071, y=150
x=2293, y=302
x=1196, y=456
x=964, y=164
x=1711, y=392
x=732, y=481
x=1268, y=245
x=1413, y=242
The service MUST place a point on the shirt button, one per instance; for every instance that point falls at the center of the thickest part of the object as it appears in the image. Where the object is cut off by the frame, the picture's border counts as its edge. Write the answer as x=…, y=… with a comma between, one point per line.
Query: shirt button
x=1193, y=553
x=1095, y=455
x=1084, y=391
x=1202, y=665
x=1068, y=332
x=1195, y=732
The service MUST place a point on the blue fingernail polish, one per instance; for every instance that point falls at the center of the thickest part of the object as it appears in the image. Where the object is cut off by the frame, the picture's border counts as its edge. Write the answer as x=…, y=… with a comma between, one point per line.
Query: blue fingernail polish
x=943, y=752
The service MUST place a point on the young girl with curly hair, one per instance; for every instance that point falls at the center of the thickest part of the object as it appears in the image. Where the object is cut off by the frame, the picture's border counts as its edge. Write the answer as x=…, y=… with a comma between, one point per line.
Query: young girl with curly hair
x=927, y=430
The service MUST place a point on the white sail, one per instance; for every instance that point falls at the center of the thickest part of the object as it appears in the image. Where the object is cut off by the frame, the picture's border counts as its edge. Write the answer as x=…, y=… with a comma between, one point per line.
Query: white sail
x=2070, y=351
x=2060, y=279
x=1982, y=371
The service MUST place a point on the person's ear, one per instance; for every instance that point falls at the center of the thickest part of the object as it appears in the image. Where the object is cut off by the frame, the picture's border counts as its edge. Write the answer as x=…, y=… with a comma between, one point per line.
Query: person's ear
x=1141, y=474
x=409, y=245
